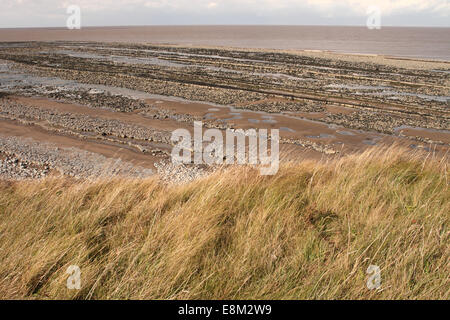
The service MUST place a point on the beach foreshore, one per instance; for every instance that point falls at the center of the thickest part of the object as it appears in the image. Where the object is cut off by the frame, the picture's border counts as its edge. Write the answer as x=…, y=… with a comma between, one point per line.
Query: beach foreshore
x=95, y=109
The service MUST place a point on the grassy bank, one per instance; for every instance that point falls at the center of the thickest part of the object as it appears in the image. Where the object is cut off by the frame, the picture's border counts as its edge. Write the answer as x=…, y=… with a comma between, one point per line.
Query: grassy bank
x=309, y=232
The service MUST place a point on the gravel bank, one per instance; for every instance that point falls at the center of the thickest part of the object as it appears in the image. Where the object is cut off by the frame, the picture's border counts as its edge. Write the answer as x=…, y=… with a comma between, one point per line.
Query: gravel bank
x=68, y=161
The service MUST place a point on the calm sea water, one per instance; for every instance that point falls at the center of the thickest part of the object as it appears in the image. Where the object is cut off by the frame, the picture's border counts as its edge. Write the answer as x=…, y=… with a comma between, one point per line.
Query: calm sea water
x=407, y=42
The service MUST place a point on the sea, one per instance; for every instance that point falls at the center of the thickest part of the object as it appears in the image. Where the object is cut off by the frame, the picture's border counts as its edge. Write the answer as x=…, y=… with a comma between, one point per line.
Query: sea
x=409, y=42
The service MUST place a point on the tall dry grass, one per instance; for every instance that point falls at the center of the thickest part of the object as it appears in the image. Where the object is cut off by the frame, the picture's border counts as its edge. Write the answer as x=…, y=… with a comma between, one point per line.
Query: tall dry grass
x=309, y=232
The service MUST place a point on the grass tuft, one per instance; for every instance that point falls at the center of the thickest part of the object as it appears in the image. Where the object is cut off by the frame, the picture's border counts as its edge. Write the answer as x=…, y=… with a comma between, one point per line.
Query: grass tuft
x=309, y=232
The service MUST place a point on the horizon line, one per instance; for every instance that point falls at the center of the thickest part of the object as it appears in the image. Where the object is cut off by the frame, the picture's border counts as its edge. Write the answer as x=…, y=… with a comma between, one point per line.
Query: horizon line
x=224, y=25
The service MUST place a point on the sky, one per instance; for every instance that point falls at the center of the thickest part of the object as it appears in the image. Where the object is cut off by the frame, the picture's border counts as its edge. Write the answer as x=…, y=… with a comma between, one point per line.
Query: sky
x=53, y=13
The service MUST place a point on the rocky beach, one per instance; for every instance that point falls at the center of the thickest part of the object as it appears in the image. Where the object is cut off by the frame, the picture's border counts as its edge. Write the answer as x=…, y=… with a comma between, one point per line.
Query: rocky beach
x=91, y=109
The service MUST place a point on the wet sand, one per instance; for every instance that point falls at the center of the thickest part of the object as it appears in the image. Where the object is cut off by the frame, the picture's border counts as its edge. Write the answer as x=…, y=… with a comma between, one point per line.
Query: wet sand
x=36, y=133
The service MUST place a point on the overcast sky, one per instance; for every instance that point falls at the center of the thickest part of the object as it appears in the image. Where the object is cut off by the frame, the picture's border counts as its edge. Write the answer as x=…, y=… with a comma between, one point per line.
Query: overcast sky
x=52, y=13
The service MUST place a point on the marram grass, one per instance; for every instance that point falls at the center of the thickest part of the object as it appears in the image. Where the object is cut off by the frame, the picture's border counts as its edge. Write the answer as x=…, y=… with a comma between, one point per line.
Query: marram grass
x=309, y=232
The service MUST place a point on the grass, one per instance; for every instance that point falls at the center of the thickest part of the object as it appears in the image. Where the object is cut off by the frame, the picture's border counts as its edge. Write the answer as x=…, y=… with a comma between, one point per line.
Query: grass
x=309, y=232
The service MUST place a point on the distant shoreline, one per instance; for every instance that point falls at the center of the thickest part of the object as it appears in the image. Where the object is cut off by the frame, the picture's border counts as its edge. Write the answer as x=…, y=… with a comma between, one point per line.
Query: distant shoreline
x=230, y=25
x=416, y=43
